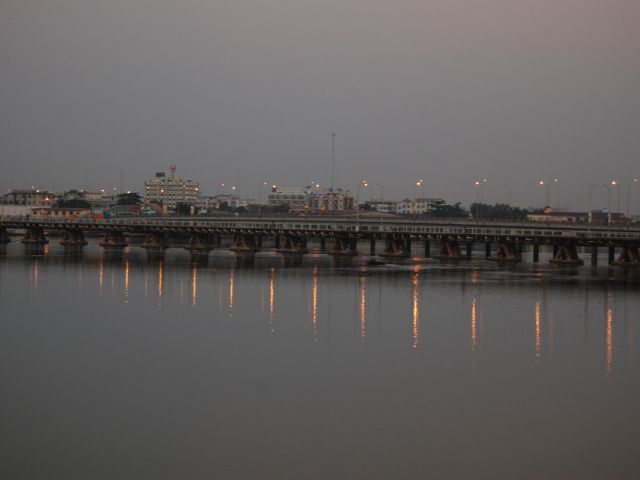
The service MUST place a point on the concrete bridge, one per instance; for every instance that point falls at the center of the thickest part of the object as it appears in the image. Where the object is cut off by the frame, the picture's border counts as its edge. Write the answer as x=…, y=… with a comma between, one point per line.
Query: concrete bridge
x=503, y=241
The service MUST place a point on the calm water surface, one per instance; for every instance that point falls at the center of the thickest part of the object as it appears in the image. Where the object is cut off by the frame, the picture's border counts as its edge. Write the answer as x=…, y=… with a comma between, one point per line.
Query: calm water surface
x=128, y=366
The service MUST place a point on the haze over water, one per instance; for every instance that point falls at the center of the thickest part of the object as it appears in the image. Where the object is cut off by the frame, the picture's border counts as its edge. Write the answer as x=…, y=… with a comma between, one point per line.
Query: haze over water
x=129, y=366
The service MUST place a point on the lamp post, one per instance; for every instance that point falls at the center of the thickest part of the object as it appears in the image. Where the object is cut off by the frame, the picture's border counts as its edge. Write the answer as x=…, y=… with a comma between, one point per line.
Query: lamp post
x=220, y=188
x=547, y=187
x=615, y=184
x=479, y=197
x=418, y=184
x=365, y=184
x=381, y=191
x=633, y=180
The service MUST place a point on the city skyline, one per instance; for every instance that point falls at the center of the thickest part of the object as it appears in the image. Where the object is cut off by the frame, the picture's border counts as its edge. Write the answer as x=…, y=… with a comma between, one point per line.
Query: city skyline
x=428, y=90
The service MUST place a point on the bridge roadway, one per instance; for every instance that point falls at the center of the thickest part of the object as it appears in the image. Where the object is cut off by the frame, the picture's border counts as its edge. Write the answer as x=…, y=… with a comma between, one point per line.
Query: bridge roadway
x=503, y=240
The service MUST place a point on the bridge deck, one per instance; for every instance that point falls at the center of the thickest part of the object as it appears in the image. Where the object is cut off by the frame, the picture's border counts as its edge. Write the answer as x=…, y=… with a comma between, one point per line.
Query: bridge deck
x=350, y=226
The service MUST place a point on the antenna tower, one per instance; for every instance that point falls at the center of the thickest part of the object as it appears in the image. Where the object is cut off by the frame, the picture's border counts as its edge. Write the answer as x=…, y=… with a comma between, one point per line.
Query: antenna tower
x=333, y=159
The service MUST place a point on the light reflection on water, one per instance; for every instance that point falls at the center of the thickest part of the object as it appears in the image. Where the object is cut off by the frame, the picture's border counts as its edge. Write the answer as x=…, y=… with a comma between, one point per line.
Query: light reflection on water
x=448, y=362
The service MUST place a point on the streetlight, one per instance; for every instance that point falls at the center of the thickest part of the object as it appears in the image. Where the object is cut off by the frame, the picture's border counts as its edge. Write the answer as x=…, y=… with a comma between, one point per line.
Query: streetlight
x=479, y=196
x=547, y=197
x=418, y=184
x=220, y=188
x=615, y=184
x=633, y=180
x=381, y=191
x=260, y=192
x=365, y=184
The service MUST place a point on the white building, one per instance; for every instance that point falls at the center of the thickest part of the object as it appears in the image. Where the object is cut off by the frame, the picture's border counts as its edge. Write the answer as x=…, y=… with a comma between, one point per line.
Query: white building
x=417, y=206
x=170, y=191
x=332, y=200
x=295, y=197
x=384, y=206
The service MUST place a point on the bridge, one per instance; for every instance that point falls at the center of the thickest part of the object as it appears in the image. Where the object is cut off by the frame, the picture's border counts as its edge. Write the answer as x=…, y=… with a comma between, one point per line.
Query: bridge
x=503, y=241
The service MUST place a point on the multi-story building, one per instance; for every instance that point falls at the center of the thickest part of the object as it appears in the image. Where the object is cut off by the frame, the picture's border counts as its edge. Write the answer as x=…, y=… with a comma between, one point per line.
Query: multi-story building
x=332, y=200
x=169, y=191
x=32, y=198
x=417, y=206
x=295, y=197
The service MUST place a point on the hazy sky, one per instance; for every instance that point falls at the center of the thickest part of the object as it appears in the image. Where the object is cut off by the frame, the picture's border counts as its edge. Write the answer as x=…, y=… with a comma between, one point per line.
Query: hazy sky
x=448, y=90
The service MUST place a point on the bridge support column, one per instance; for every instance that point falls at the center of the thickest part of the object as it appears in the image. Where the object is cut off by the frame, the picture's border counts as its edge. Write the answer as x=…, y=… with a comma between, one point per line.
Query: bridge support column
x=73, y=238
x=35, y=236
x=507, y=252
x=427, y=248
x=594, y=255
x=4, y=236
x=113, y=239
x=294, y=244
x=276, y=242
x=629, y=257
x=155, y=241
x=555, y=249
x=372, y=246
x=407, y=246
x=200, y=242
x=487, y=250
x=395, y=247
x=536, y=252
x=244, y=243
x=323, y=244
x=469, y=250
x=343, y=246
x=449, y=250
x=566, y=254
x=612, y=254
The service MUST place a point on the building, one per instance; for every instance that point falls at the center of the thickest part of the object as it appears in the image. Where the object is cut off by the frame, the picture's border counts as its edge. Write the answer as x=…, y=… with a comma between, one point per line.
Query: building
x=169, y=191
x=30, y=198
x=62, y=213
x=294, y=197
x=332, y=200
x=417, y=206
x=596, y=217
x=384, y=206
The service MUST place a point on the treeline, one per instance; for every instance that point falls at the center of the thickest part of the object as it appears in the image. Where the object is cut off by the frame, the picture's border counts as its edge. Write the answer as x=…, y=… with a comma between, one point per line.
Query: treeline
x=499, y=211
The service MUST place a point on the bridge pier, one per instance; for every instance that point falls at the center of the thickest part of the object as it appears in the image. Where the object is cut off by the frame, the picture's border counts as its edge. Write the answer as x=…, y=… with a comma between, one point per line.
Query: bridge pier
x=200, y=242
x=507, y=252
x=323, y=244
x=296, y=244
x=449, y=250
x=155, y=241
x=536, y=252
x=344, y=246
x=73, y=238
x=469, y=252
x=372, y=246
x=629, y=257
x=487, y=250
x=427, y=248
x=612, y=254
x=396, y=247
x=566, y=254
x=4, y=236
x=113, y=239
x=276, y=242
x=35, y=236
x=244, y=243
x=594, y=255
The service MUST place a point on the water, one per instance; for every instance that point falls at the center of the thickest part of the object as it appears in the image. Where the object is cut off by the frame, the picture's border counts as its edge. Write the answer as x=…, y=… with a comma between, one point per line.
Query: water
x=128, y=366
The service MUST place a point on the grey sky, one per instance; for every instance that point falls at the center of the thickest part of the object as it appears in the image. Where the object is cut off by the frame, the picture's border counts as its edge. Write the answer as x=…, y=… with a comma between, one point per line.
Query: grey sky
x=444, y=90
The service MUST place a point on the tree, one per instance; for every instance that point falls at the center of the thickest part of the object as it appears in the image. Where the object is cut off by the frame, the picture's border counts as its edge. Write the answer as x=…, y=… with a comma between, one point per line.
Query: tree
x=129, y=198
x=73, y=203
x=440, y=209
x=499, y=211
